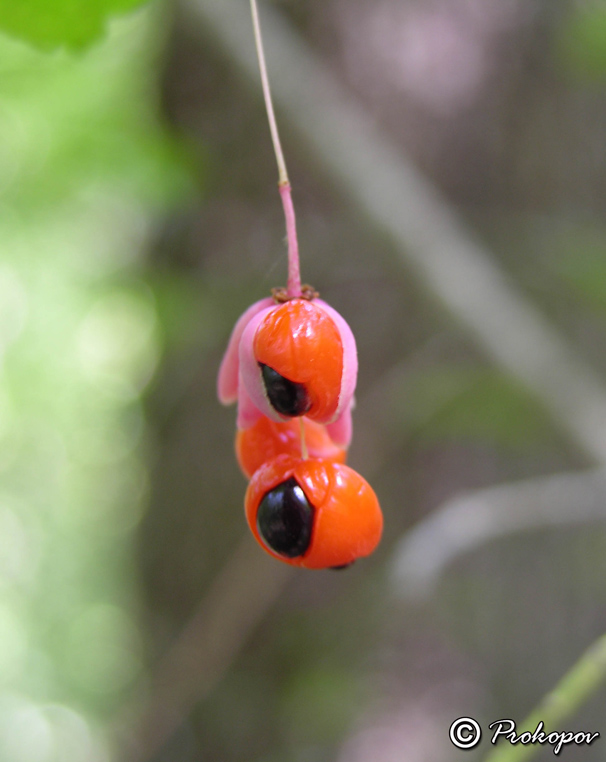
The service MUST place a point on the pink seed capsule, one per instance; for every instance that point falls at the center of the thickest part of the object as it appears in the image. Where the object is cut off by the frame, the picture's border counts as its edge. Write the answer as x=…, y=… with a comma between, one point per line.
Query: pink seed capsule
x=291, y=359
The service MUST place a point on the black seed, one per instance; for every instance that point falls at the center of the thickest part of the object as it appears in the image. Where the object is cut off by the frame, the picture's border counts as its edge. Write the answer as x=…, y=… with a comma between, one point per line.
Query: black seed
x=285, y=518
x=286, y=397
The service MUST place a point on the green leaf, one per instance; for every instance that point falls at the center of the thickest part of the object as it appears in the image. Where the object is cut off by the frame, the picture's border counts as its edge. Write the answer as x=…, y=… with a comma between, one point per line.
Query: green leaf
x=50, y=24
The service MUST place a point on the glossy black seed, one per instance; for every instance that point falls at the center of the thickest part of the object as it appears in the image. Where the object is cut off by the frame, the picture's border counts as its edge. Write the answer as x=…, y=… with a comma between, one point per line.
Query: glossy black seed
x=285, y=519
x=286, y=397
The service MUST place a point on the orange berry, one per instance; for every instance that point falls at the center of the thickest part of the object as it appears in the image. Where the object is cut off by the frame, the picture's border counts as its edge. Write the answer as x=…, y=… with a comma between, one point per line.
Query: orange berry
x=314, y=513
x=267, y=439
x=299, y=349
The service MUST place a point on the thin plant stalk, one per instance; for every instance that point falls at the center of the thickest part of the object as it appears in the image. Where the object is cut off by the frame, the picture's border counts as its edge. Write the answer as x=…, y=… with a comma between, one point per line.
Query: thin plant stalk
x=573, y=690
x=304, y=451
x=293, y=285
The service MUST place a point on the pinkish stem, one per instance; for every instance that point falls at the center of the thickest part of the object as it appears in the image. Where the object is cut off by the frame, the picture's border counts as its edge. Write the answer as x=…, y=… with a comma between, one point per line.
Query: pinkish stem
x=293, y=286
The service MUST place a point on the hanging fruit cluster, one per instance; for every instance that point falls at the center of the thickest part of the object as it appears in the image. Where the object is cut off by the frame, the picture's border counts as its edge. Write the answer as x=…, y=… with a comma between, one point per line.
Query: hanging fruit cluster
x=291, y=364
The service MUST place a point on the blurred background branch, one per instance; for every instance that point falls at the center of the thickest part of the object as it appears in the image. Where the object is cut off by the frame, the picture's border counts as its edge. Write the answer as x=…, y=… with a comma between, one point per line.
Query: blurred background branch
x=236, y=601
x=470, y=520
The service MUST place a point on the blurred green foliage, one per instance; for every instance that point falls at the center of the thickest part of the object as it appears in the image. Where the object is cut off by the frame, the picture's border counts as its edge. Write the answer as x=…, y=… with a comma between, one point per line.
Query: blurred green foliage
x=50, y=24
x=580, y=260
x=320, y=703
x=469, y=403
x=85, y=173
x=582, y=41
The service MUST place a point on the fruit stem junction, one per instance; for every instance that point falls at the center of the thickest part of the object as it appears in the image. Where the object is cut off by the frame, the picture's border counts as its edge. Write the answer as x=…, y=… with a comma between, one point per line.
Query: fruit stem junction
x=304, y=452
